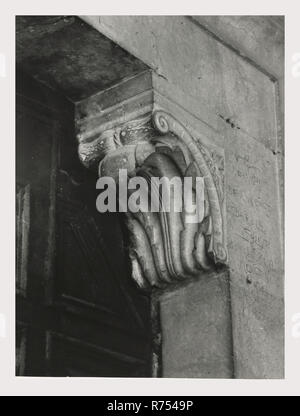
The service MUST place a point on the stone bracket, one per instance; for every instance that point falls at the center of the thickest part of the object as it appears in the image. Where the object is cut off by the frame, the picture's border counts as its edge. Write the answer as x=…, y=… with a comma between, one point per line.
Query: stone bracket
x=164, y=247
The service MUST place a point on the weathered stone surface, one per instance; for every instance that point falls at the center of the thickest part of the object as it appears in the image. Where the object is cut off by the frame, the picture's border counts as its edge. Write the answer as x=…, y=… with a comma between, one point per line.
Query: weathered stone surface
x=128, y=99
x=187, y=59
x=252, y=211
x=231, y=103
x=258, y=332
x=196, y=330
x=253, y=230
x=254, y=245
x=245, y=34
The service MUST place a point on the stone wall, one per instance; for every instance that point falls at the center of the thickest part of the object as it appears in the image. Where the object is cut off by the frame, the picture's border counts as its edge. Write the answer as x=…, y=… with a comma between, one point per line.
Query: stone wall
x=223, y=77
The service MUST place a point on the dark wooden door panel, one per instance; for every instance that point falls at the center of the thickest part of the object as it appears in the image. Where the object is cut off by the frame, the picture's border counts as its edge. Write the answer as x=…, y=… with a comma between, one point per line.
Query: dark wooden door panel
x=78, y=311
x=73, y=357
x=83, y=272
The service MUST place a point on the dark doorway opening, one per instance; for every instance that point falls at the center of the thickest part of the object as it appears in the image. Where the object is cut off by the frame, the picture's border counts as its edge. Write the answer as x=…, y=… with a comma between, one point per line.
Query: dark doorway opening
x=78, y=311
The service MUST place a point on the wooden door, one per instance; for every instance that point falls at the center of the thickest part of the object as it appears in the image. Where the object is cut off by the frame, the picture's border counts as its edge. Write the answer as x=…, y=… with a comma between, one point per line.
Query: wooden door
x=78, y=312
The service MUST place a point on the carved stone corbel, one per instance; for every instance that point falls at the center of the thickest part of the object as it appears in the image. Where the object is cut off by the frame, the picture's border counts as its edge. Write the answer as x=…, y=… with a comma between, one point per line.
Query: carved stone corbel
x=165, y=248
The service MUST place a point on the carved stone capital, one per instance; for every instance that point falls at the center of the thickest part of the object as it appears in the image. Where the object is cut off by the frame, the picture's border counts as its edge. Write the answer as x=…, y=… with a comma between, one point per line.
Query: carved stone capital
x=164, y=247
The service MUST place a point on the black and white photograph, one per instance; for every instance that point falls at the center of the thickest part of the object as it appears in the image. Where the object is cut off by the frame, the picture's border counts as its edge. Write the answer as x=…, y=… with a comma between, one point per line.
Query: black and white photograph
x=149, y=196
x=150, y=208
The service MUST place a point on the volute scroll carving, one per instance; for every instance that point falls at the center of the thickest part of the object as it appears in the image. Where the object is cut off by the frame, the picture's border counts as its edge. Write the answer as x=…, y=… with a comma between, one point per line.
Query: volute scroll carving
x=164, y=247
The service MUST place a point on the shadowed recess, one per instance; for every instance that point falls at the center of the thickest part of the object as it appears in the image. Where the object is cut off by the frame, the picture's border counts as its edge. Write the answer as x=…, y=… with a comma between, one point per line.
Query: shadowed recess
x=69, y=56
